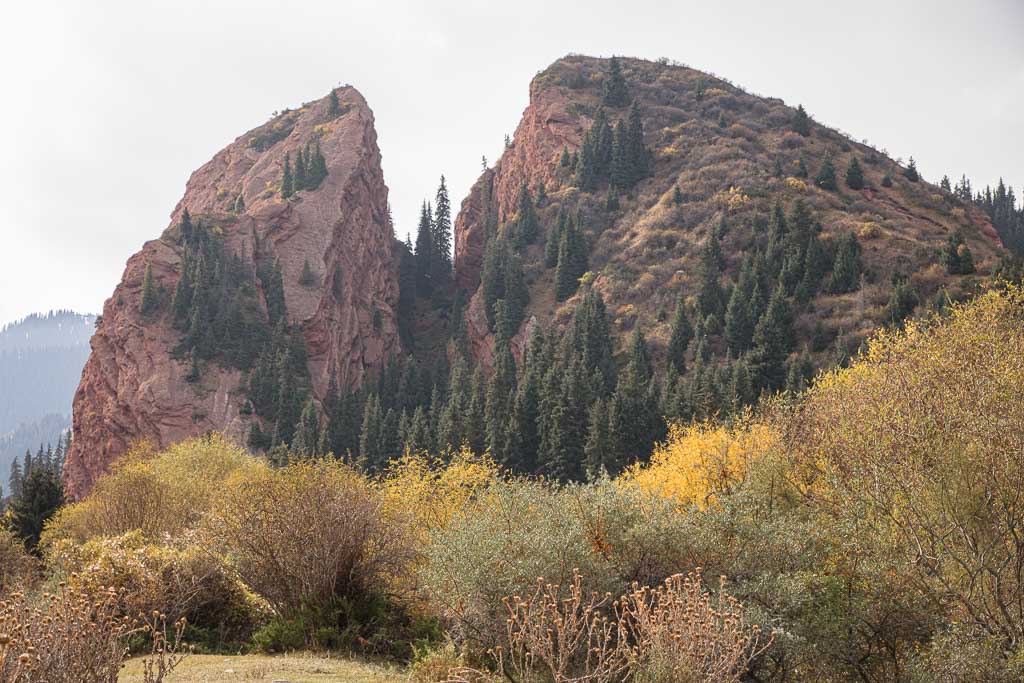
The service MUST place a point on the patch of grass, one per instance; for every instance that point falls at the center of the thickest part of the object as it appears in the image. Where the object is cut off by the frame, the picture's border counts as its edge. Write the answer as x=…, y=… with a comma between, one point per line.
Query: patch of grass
x=294, y=668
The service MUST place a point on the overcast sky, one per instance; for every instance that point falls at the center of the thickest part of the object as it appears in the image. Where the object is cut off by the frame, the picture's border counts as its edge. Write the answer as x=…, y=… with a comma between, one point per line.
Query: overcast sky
x=109, y=106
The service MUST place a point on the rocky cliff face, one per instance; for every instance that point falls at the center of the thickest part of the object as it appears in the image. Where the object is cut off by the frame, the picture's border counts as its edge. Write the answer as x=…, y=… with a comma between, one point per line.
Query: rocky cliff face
x=732, y=155
x=135, y=386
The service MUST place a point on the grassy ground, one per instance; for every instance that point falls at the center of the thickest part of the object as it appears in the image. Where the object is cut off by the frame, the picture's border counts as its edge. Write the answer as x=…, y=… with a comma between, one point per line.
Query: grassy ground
x=300, y=668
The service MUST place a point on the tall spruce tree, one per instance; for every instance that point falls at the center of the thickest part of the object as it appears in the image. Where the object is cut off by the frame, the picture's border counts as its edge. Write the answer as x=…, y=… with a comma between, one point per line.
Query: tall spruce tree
x=848, y=265
x=424, y=250
x=854, y=175
x=801, y=121
x=773, y=341
x=614, y=92
x=826, y=178
x=441, y=233
x=526, y=224
x=40, y=495
x=680, y=337
x=148, y=300
x=287, y=181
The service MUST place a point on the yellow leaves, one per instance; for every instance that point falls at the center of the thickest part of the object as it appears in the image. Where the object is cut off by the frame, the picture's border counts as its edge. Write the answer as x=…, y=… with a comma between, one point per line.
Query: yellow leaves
x=155, y=493
x=796, y=184
x=698, y=463
x=733, y=200
x=432, y=494
x=869, y=231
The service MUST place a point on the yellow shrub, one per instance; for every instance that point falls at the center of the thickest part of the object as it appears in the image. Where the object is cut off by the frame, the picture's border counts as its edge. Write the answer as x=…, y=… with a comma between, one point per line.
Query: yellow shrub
x=155, y=493
x=697, y=463
x=733, y=200
x=429, y=494
x=869, y=231
x=182, y=579
x=796, y=184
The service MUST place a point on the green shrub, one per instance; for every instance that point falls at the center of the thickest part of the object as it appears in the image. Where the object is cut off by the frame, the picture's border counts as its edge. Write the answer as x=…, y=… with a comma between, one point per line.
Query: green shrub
x=521, y=530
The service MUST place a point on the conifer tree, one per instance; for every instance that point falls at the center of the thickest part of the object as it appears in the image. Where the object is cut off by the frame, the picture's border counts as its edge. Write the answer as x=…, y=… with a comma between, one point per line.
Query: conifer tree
x=554, y=239
x=307, y=432
x=299, y=176
x=910, y=172
x=526, y=224
x=308, y=278
x=801, y=121
x=317, y=168
x=148, y=300
x=710, y=297
x=739, y=320
x=600, y=453
x=848, y=265
x=680, y=338
x=476, y=416
x=800, y=372
x=637, y=150
x=677, y=195
x=572, y=262
x=773, y=340
x=622, y=171
x=40, y=495
x=826, y=178
x=854, y=175
x=424, y=250
x=564, y=161
x=287, y=182
x=441, y=232
x=614, y=90
x=333, y=107
x=15, y=478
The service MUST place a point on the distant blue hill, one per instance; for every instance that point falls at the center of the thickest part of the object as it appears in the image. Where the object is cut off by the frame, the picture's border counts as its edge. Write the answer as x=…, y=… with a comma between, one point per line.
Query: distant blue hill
x=41, y=360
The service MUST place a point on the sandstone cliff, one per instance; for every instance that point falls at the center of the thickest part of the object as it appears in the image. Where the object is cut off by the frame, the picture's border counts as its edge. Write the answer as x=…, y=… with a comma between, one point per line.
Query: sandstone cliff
x=134, y=385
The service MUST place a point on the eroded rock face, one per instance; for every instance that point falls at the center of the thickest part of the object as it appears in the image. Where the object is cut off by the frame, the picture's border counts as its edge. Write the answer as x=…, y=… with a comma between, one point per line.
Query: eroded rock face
x=133, y=386
x=546, y=128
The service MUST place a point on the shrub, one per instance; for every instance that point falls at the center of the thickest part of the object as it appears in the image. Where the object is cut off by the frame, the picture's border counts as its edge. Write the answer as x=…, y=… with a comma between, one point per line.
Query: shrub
x=429, y=493
x=78, y=637
x=17, y=567
x=523, y=529
x=796, y=184
x=869, y=231
x=922, y=437
x=674, y=633
x=308, y=533
x=699, y=463
x=157, y=494
x=180, y=579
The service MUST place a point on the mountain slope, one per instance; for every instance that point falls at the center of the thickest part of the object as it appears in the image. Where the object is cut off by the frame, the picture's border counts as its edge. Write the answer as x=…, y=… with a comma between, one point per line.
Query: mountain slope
x=41, y=359
x=301, y=287
x=732, y=155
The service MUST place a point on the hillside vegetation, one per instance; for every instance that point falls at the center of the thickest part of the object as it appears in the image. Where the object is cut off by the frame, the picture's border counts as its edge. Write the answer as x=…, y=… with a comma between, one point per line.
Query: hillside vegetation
x=864, y=529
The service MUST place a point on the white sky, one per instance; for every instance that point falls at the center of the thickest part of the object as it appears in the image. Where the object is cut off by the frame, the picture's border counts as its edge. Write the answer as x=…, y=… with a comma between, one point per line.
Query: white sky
x=109, y=105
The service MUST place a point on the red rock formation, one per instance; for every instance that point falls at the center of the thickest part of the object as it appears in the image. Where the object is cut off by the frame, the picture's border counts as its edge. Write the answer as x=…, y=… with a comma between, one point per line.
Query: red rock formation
x=134, y=388
x=546, y=127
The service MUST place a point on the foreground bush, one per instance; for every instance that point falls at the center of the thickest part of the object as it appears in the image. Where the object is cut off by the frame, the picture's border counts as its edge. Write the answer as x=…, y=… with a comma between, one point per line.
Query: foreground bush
x=919, y=445
x=519, y=530
x=158, y=494
x=180, y=579
x=677, y=632
x=78, y=637
x=313, y=541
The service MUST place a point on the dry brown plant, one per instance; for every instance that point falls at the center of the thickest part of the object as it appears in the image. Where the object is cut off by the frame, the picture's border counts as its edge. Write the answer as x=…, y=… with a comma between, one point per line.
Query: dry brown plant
x=78, y=637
